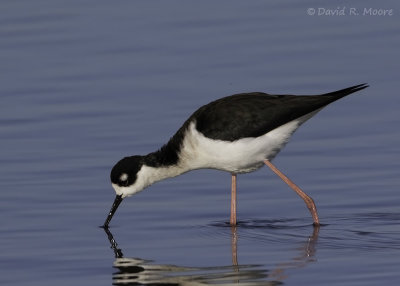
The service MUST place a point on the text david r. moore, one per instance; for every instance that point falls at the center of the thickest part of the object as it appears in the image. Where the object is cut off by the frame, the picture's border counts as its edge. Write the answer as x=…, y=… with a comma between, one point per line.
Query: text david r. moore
x=352, y=11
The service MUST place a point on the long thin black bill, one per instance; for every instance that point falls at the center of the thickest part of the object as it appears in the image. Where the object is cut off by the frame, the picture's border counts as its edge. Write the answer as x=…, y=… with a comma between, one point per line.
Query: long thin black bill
x=117, y=201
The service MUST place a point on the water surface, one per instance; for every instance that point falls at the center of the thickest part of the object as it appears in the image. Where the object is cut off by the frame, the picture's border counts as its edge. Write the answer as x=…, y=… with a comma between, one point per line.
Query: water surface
x=84, y=84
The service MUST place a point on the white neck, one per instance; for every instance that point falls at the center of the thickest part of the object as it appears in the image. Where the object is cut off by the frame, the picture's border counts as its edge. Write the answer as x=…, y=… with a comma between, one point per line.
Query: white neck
x=150, y=175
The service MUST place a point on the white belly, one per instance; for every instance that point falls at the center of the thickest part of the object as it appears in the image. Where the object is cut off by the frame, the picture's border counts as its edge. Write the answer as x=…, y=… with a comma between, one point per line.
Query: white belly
x=240, y=156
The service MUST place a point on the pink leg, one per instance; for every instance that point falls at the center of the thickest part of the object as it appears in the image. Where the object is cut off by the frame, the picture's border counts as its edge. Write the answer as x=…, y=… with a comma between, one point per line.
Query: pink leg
x=307, y=199
x=233, y=200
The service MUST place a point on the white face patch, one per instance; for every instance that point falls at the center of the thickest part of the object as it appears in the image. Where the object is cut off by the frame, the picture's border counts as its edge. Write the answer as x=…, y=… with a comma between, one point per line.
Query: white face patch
x=123, y=177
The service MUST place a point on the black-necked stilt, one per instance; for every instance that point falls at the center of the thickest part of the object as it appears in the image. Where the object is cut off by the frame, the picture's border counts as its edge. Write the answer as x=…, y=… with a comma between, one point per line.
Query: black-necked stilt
x=238, y=134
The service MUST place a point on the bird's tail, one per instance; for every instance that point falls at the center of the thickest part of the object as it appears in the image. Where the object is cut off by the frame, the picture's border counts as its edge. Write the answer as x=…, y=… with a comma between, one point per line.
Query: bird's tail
x=346, y=91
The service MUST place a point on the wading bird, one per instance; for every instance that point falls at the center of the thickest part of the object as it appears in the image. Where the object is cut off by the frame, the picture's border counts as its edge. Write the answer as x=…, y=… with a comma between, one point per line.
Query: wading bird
x=238, y=134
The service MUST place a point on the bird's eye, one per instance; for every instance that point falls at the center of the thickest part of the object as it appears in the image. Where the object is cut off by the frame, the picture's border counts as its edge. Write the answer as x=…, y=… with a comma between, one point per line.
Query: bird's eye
x=123, y=177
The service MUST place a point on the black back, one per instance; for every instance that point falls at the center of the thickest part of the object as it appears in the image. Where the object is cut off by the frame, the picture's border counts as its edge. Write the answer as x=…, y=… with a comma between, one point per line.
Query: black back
x=245, y=115
x=254, y=114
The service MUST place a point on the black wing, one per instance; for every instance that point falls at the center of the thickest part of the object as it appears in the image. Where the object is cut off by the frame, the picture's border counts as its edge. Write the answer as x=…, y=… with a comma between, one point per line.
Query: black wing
x=244, y=115
x=254, y=114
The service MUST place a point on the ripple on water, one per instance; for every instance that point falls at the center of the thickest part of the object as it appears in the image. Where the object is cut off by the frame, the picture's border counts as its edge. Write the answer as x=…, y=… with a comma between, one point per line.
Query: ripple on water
x=362, y=231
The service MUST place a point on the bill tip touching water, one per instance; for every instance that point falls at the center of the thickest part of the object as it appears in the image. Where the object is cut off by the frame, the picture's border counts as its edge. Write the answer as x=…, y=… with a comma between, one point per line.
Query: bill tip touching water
x=238, y=134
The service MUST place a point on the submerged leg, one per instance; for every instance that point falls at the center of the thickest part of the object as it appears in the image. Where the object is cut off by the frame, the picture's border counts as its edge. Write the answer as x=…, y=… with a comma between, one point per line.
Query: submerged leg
x=233, y=200
x=234, y=239
x=307, y=199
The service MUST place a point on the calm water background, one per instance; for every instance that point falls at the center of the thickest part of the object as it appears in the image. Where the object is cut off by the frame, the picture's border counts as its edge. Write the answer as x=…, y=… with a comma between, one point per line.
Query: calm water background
x=84, y=83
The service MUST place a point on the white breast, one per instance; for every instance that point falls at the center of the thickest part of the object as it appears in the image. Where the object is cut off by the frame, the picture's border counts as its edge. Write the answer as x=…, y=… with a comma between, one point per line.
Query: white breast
x=240, y=156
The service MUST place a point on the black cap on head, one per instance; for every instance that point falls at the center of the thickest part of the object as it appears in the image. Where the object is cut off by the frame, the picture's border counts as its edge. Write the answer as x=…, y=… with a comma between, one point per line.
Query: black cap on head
x=124, y=172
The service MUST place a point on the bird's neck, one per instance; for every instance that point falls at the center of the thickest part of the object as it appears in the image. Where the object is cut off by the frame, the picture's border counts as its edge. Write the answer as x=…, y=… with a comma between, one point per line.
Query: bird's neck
x=149, y=175
x=161, y=165
x=165, y=162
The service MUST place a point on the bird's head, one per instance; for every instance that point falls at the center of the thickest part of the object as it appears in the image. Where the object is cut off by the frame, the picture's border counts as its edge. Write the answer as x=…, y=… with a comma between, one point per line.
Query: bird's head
x=126, y=181
x=124, y=176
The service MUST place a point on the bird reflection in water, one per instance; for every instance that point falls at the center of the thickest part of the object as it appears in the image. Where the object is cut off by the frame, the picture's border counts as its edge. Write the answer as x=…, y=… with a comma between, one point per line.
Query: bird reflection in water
x=136, y=271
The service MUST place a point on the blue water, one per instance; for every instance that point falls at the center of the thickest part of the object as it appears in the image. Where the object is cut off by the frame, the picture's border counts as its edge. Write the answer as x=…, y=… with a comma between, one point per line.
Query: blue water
x=84, y=83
